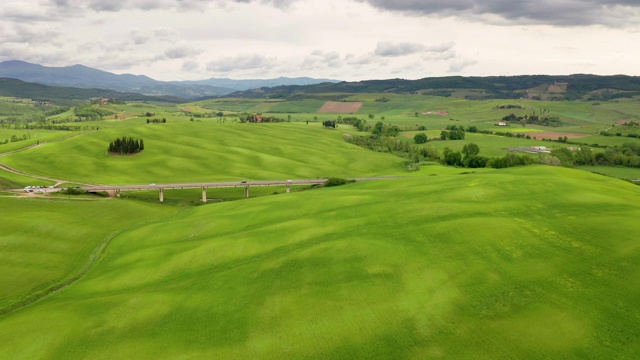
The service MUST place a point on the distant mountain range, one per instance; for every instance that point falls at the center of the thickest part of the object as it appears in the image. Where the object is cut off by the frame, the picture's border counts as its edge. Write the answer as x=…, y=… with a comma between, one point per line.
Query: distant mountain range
x=536, y=87
x=80, y=76
x=129, y=87
x=70, y=95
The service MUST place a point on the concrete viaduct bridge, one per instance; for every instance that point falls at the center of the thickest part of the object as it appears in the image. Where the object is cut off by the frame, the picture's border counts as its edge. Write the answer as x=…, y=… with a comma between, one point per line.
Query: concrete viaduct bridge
x=204, y=186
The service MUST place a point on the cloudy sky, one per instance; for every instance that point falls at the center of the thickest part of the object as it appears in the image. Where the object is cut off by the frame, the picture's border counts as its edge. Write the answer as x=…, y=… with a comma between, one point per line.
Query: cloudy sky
x=337, y=39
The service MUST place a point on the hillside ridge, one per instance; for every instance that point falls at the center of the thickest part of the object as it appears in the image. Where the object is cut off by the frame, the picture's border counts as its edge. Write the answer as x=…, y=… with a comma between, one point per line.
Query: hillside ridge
x=81, y=76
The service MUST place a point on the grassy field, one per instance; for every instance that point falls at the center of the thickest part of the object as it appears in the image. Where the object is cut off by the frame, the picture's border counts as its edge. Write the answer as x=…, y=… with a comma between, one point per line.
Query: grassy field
x=608, y=140
x=10, y=180
x=490, y=145
x=45, y=242
x=207, y=151
x=527, y=263
x=618, y=171
x=532, y=263
x=33, y=137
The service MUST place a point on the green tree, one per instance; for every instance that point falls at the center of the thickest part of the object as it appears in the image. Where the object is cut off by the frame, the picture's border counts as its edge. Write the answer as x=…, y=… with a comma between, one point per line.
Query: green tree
x=584, y=156
x=470, y=150
x=420, y=138
x=564, y=155
x=378, y=128
x=453, y=158
x=329, y=123
x=475, y=161
x=456, y=135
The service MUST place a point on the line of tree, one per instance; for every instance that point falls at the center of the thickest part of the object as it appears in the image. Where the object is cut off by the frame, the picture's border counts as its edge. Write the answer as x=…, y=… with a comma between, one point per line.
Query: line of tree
x=102, y=101
x=87, y=112
x=390, y=144
x=258, y=118
x=470, y=158
x=628, y=155
x=205, y=115
x=452, y=135
x=382, y=129
x=359, y=124
x=56, y=111
x=631, y=135
x=16, y=138
x=126, y=145
x=552, y=121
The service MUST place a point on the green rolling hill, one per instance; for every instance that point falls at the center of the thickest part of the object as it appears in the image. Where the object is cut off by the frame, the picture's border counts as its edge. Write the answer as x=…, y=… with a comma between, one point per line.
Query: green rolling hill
x=531, y=263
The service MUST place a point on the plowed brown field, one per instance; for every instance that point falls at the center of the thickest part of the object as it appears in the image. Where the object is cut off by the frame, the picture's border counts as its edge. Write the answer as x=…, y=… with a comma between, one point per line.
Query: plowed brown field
x=340, y=107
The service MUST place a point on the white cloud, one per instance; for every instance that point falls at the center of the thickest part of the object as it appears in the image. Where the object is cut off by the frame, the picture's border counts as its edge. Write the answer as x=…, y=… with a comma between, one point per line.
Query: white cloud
x=458, y=66
x=320, y=59
x=343, y=39
x=389, y=49
x=190, y=66
x=181, y=52
x=242, y=62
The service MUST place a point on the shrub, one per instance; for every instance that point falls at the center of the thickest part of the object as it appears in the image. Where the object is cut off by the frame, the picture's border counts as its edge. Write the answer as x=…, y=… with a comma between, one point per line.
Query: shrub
x=336, y=182
x=420, y=138
x=73, y=191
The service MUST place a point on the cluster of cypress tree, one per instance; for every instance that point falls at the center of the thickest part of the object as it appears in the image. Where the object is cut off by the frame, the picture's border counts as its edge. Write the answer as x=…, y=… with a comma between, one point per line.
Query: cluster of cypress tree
x=126, y=145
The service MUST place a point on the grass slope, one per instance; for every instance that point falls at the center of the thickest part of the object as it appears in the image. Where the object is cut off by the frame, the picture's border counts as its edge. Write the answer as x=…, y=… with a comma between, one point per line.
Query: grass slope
x=45, y=242
x=9, y=180
x=531, y=263
x=36, y=137
x=207, y=151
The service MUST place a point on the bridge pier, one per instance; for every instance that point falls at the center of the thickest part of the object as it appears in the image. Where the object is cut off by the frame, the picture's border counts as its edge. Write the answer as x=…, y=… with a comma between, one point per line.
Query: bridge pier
x=204, y=194
x=288, y=187
x=246, y=191
x=117, y=192
x=161, y=195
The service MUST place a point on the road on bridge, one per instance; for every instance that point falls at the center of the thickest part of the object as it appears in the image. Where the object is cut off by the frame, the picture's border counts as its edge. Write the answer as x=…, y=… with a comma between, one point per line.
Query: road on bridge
x=218, y=184
x=196, y=185
x=206, y=185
